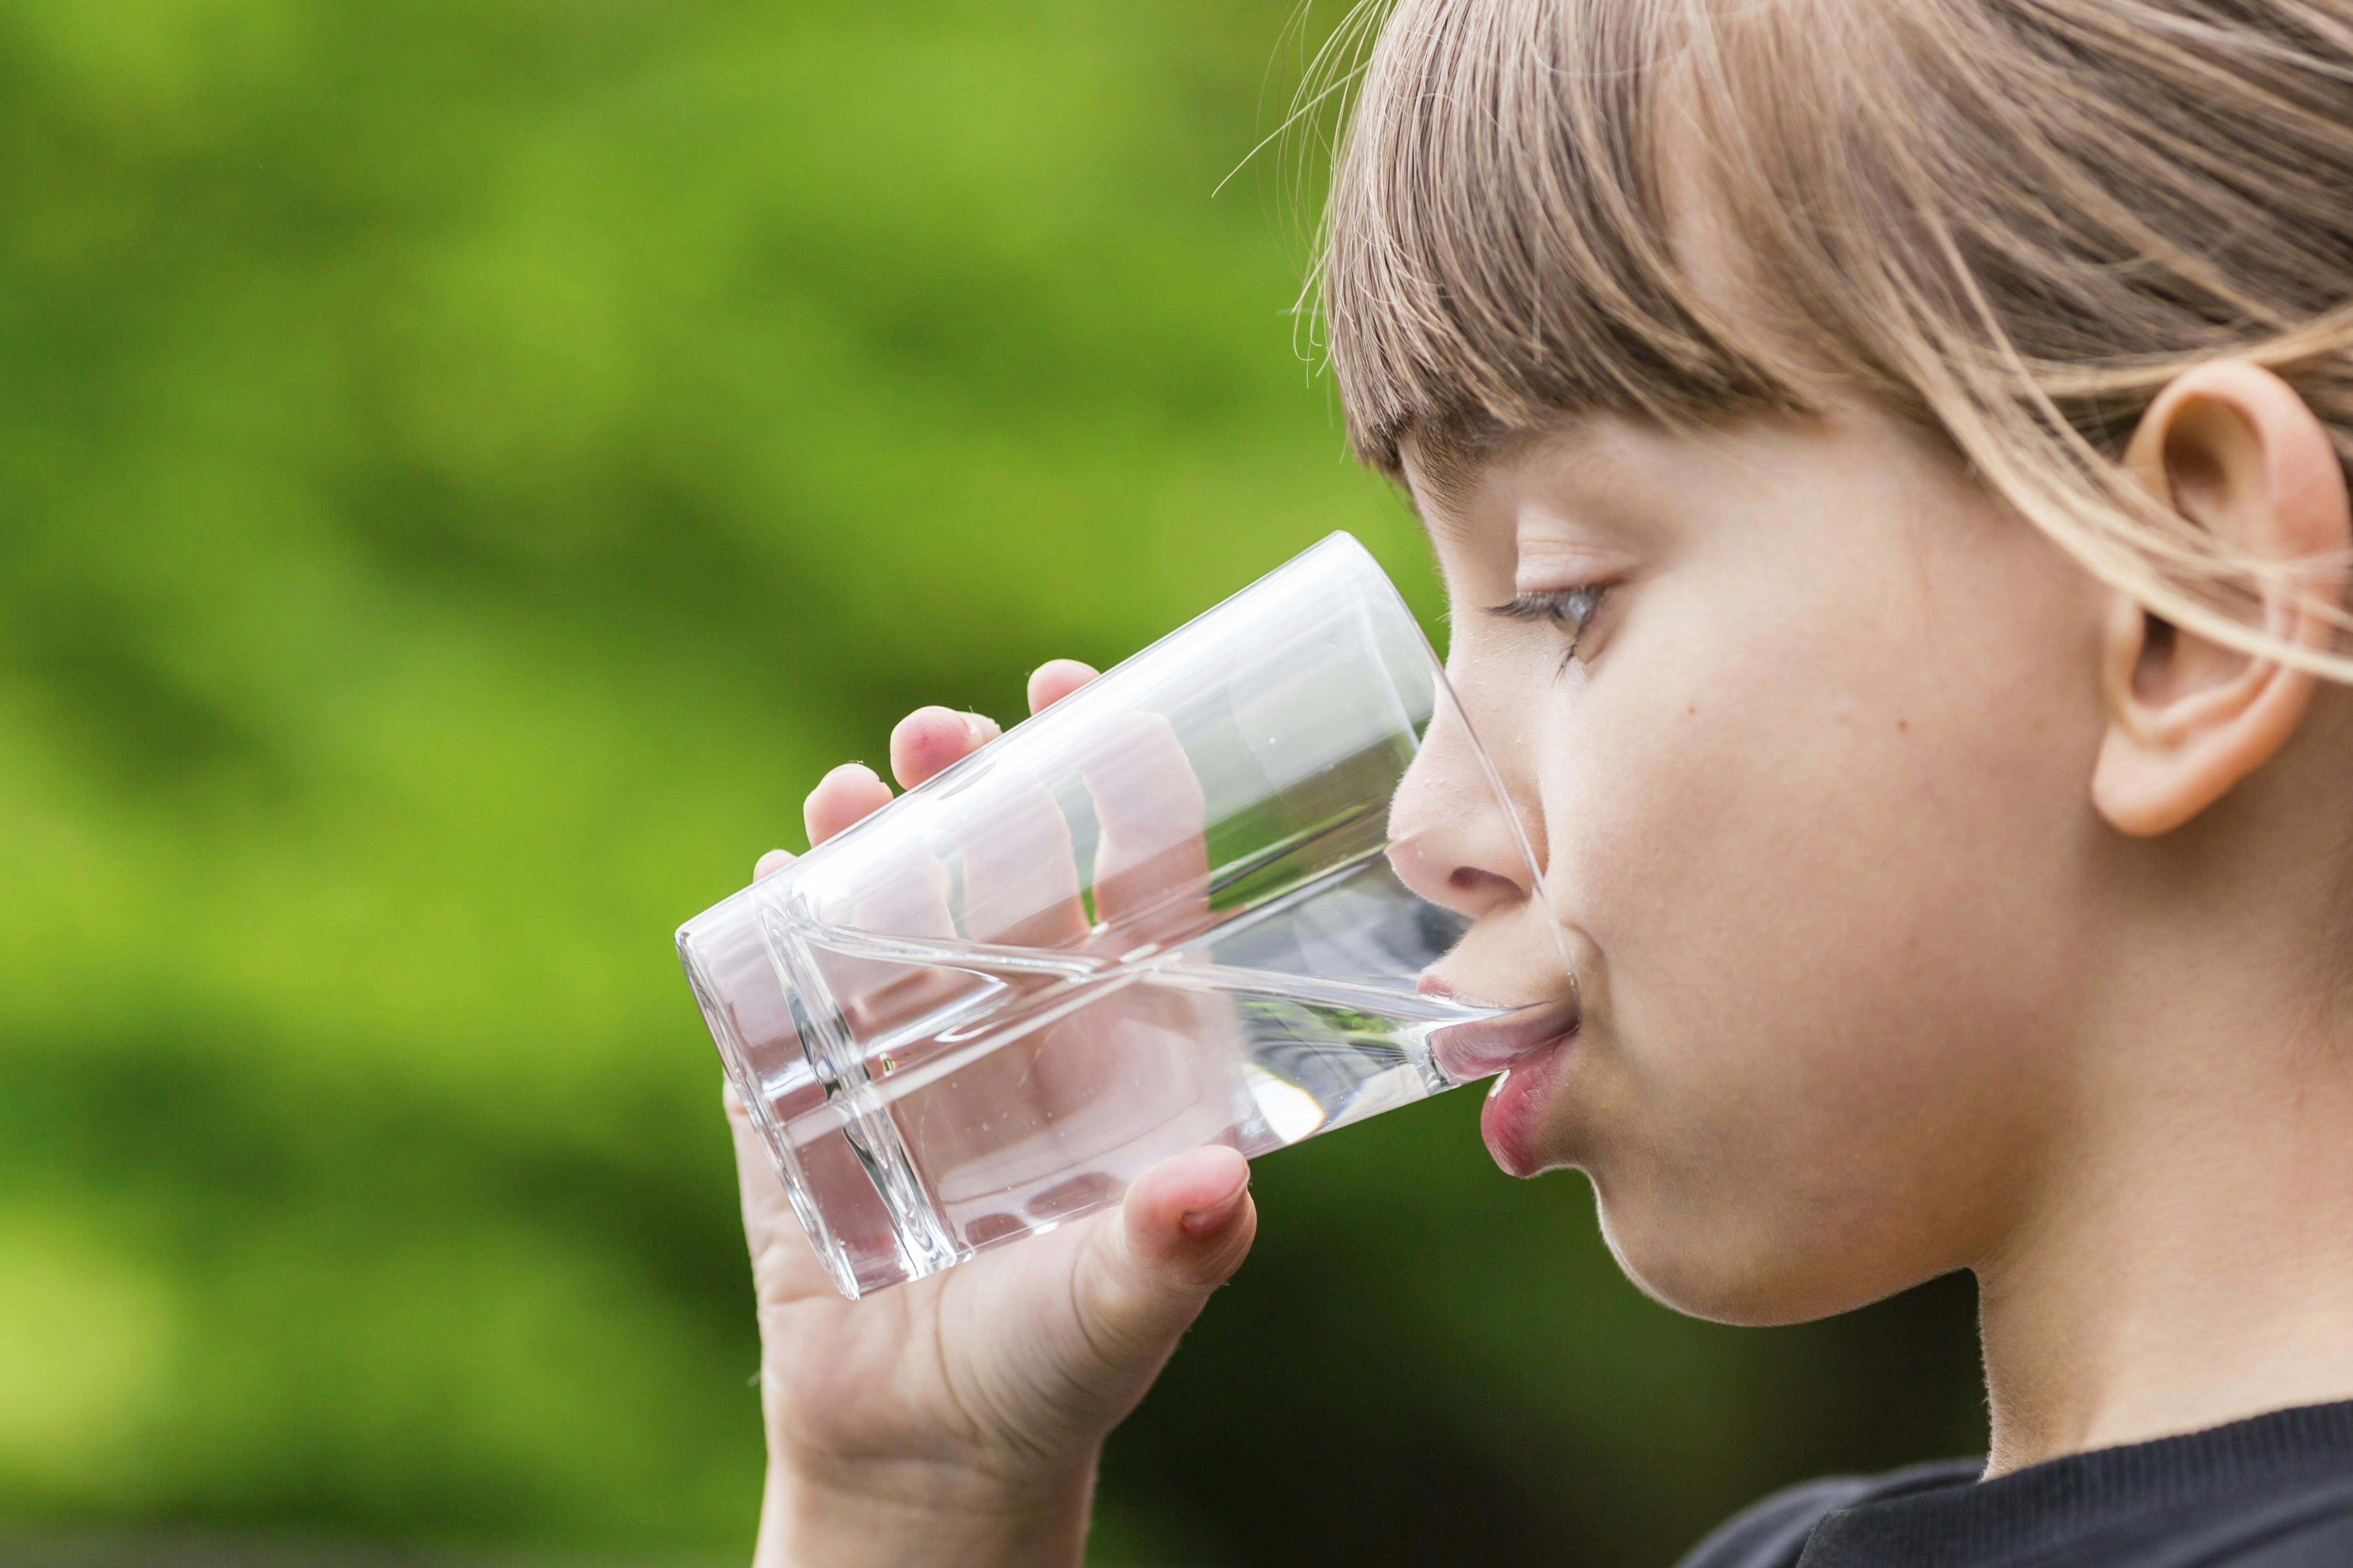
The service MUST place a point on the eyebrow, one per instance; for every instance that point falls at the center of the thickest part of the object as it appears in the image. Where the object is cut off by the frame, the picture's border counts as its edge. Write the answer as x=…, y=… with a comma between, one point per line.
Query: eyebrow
x=1450, y=466
x=1446, y=468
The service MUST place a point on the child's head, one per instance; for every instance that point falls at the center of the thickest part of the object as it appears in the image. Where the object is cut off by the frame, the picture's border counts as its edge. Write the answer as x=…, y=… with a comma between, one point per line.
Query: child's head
x=1951, y=400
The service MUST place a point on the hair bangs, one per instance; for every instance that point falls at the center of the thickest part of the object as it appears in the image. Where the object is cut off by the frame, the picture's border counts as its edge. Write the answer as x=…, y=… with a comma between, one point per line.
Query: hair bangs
x=1496, y=249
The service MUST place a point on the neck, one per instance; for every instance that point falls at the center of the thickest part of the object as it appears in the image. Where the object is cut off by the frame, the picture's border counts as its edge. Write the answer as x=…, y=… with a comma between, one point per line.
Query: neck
x=2189, y=1262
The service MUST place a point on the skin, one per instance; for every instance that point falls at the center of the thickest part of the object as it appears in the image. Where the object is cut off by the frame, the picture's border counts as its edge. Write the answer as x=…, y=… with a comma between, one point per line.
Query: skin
x=1931, y=906
x=957, y=1419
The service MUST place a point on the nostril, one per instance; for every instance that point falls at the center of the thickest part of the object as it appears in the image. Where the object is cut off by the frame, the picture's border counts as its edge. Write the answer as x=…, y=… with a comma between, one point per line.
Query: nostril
x=1469, y=881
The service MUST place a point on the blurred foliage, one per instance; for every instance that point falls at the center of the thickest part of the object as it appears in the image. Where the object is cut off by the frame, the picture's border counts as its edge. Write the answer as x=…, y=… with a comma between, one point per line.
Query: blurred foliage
x=468, y=467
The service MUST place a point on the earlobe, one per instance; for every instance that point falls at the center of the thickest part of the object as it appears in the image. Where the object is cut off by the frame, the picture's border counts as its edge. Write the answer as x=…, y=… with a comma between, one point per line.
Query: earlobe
x=2239, y=454
x=2163, y=762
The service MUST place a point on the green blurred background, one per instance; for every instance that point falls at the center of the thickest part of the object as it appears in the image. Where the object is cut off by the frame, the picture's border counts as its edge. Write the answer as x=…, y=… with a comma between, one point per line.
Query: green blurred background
x=468, y=465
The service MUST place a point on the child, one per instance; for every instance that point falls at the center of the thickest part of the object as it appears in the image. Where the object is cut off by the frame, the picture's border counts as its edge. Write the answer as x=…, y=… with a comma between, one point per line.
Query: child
x=1887, y=462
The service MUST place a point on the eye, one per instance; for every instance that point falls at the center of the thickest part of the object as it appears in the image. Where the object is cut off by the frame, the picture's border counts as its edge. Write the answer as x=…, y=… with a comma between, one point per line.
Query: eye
x=1570, y=609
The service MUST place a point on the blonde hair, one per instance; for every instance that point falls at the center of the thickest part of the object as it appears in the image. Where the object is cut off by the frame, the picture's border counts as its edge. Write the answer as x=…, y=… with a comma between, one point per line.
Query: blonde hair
x=2011, y=222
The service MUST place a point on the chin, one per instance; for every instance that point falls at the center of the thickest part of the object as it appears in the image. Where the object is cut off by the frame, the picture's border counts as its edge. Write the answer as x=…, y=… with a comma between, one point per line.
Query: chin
x=1728, y=1267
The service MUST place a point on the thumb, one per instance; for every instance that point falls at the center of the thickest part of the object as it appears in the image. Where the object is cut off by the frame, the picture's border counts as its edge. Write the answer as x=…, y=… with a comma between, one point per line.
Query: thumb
x=1186, y=1225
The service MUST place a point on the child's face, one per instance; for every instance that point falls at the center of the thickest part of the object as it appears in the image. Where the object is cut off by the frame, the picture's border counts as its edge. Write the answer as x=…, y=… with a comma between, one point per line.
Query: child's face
x=1812, y=805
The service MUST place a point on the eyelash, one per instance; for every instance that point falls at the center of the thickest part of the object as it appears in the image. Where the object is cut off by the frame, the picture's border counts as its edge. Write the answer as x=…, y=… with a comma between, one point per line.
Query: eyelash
x=1570, y=609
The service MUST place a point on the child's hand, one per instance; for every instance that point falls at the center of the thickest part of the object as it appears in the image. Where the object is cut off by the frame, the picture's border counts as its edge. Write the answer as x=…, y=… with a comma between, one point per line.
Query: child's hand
x=956, y=1418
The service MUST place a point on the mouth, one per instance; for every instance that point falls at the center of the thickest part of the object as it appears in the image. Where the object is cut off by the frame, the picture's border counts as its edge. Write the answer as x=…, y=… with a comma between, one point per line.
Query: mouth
x=1511, y=1123
x=1525, y=1045
x=1484, y=1047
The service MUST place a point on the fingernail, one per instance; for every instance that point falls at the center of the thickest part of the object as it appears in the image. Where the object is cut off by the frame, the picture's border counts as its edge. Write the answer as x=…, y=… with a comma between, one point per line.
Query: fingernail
x=857, y=768
x=1200, y=1222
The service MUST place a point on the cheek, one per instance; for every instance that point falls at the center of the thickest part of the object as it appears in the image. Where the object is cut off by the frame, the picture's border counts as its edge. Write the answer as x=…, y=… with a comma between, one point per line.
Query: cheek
x=1824, y=875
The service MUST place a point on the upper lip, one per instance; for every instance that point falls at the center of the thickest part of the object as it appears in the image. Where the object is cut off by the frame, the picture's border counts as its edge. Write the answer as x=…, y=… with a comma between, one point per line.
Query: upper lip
x=1484, y=1047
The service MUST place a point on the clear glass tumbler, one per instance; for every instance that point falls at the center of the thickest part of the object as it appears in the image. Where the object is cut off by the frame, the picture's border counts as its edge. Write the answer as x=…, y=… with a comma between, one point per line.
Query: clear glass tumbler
x=1167, y=911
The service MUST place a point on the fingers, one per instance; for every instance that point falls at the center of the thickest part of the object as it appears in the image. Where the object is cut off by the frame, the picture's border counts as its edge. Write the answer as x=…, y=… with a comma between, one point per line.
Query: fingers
x=768, y=865
x=1055, y=679
x=1187, y=1224
x=925, y=743
x=922, y=745
x=1021, y=876
x=844, y=795
x=1151, y=861
x=930, y=739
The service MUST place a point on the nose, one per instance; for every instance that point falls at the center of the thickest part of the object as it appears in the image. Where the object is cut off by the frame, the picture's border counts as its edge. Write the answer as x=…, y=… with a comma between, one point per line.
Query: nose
x=1453, y=839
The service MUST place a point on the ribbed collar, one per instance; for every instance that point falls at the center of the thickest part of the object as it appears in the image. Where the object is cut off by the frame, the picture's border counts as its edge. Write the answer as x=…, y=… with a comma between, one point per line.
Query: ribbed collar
x=2067, y=1509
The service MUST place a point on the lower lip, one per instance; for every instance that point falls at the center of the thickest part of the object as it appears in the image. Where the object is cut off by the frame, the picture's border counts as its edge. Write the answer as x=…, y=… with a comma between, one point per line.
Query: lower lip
x=1511, y=1120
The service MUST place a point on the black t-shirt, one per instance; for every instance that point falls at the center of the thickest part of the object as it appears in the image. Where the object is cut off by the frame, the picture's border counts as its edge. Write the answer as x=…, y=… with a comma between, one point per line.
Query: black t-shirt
x=2272, y=1492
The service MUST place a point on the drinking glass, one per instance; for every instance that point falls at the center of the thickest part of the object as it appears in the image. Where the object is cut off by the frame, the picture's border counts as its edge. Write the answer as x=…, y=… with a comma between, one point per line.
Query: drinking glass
x=1167, y=911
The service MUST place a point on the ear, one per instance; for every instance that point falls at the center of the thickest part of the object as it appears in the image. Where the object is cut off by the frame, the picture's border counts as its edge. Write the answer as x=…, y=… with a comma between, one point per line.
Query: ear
x=2235, y=452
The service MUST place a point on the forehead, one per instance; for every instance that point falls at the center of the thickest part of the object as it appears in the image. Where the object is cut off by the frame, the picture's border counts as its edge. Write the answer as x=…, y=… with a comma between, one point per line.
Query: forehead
x=1624, y=480
x=1446, y=478
x=1523, y=222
